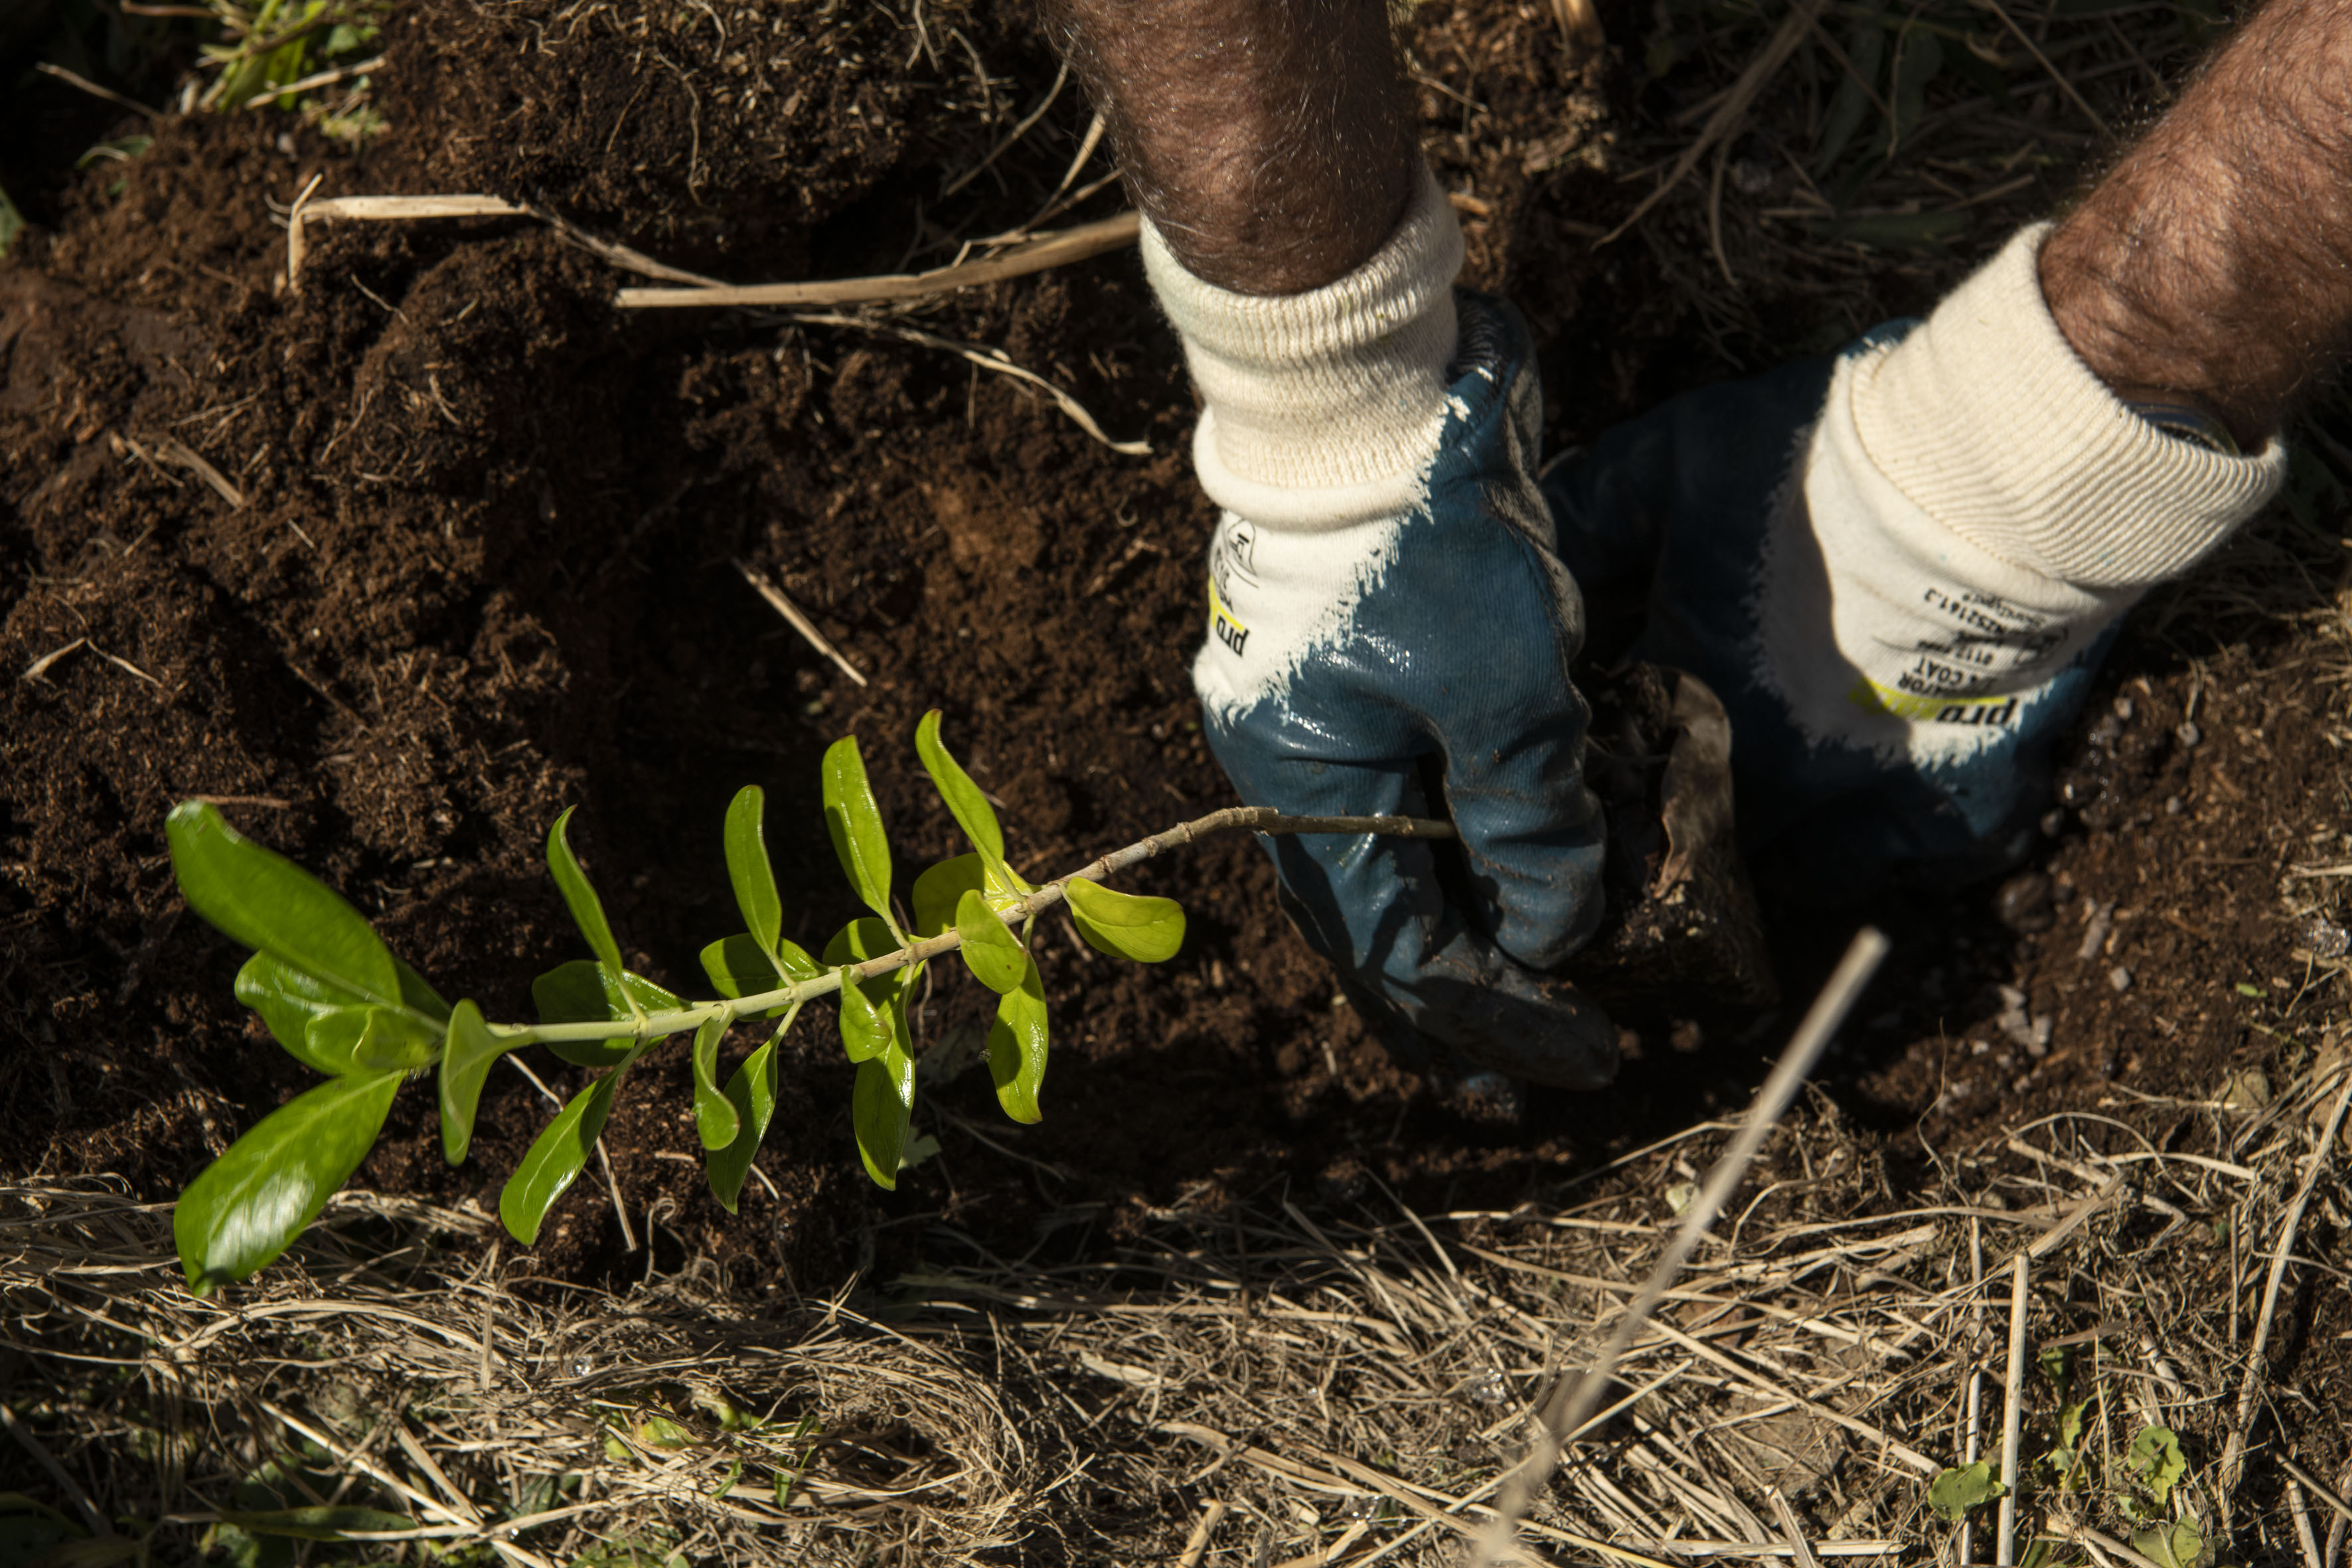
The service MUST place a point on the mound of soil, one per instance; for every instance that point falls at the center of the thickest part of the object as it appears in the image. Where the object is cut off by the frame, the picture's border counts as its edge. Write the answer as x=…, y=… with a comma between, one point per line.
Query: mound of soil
x=398, y=563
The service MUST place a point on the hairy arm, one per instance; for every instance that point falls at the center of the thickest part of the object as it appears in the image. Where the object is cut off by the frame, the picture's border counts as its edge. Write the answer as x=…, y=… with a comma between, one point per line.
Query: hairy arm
x=2215, y=261
x=1267, y=140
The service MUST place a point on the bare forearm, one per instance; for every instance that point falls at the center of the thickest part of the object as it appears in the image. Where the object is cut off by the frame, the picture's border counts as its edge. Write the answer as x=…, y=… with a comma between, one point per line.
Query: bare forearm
x=2216, y=260
x=1267, y=140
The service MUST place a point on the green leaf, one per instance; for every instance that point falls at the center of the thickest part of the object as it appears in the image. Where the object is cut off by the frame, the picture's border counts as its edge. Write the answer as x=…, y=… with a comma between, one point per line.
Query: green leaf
x=585, y=992
x=316, y=1523
x=2156, y=1462
x=288, y=1001
x=1956, y=1491
x=587, y=909
x=556, y=1159
x=250, y=1205
x=854, y=821
x=939, y=890
x=268, y=903
x=752, y=1092
x=1148, y=930
x=1017, y=1046
x=880, y=1107
x=2179, y=1545
x=864, y=939
x=748, y=870
x=865, y=1027
x=973, y=812
x=466, y=1060
x=714, y=1117
x=739, y=966
x=994, y=954
x=372, y=1039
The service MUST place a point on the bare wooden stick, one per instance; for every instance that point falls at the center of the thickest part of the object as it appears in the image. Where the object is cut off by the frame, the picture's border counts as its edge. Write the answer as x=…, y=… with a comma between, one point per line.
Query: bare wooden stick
x=1570, y=1406
x=792, y=613
x=1054, y=250
x=2012, y=1415
x=1197, y=1543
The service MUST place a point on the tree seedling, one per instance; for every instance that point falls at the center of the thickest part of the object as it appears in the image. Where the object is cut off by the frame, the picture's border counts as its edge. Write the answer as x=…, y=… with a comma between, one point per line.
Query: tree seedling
x=338, y=999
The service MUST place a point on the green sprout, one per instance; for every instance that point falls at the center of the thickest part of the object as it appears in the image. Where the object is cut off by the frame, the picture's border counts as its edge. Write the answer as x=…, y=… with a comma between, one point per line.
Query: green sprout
x=340, y=1001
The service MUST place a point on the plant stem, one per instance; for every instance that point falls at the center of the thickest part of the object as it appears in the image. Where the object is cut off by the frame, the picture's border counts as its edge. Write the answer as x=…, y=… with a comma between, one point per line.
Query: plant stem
x=1256, y=819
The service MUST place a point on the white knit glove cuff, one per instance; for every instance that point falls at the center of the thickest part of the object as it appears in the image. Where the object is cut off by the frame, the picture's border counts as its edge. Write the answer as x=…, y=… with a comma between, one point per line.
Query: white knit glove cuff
x=1984, y=416
x=1324, y=408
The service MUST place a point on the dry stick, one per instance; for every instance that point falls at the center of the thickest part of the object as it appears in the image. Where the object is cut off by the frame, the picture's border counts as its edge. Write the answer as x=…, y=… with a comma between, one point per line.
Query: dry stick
x=1018, y=131
x=1055, y=250
x=1197, y=1543
x=987, y=359
x=2319, y=1489
x=403, y=209
x=2233, y=1454
x=1570, y=1408
x=91, y=88
x=2303, y=1535
x=1733, y=108
x=2012, y=1414
x=792, y=613
x=1976, y=1381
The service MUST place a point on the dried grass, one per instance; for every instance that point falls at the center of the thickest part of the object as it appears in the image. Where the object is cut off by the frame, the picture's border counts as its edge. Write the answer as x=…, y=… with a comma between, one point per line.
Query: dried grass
x=1365, y=1377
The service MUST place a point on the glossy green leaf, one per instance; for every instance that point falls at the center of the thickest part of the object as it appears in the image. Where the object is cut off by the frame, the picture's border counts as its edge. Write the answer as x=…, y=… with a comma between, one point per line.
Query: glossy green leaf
x=579, y=897
x=585, y=992
x=880, y=1108
x=373, y=1039
x=993, y=954
x=466, y=1060
x=556, y=1159
x=1148, y=930
x=854, y=821
x=865, y=939
x=250, y=1205
x=337, y=1523
x=1955, y=1492
x=749, y=869
x=752, y=1092
x=269, y=904
x=1017, y=1046
x=739, y=966
x=865, y=1027
x=714, y=1117
x=942, y=887
x=973, y=812
x=288, y=1001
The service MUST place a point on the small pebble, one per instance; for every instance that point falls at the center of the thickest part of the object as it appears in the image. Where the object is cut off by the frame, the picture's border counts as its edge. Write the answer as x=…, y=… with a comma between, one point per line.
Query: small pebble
x=2123, y=709
x=2172, y=805
x=2119, y=979
x=2323, y=937
x=2188, y=735
x=2053, y=822
x=1979, y=1048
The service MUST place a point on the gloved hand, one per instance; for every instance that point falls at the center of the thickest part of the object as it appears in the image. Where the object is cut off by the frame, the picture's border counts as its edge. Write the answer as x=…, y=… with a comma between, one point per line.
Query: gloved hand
x=1899, y=569
x=1386, y=610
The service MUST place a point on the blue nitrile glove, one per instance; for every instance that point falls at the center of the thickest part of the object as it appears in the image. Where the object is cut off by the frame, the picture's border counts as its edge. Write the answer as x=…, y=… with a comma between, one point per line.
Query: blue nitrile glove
x=1384, y=598
x=1899, y=569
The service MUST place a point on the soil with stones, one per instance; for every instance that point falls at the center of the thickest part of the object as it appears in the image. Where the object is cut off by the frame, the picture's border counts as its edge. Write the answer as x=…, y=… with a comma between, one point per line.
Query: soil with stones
x=398, y=563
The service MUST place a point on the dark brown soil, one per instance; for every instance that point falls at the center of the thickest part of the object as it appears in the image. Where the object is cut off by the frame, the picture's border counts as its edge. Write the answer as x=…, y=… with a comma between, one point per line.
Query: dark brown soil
x=482, y=569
